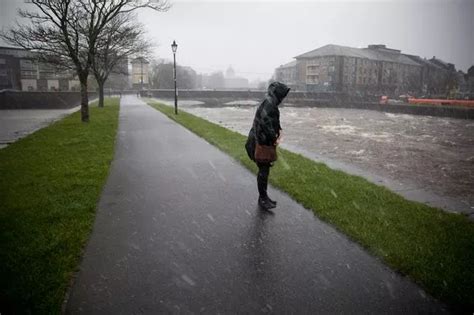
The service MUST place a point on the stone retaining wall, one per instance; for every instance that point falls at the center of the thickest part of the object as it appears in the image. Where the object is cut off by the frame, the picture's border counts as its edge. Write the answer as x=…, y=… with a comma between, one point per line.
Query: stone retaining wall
x=251, y=95
x=424, y=110
x=41, y=100
x=305, y=99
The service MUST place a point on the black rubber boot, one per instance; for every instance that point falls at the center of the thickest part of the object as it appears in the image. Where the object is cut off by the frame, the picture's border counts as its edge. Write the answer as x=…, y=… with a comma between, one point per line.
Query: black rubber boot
x=265, y=203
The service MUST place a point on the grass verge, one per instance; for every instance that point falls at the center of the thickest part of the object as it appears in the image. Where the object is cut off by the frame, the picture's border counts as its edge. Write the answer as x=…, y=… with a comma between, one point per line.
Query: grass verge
x=50, y=184
x=434, y=248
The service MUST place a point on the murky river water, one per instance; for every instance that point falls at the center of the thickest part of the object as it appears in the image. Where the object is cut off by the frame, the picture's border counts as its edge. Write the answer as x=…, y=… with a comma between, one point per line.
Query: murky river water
x=420, y=152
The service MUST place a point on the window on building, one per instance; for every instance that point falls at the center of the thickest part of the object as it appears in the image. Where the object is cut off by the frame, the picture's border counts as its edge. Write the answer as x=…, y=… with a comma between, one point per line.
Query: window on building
x=3, y=72
x=25, y=63
x=2, y=61
x=312, y=79
x=27, y=74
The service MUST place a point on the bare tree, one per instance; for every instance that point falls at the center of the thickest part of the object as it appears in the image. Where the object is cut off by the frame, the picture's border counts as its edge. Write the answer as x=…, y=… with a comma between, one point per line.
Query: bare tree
x=161, y=76
x=67, y=31
x=122, y=38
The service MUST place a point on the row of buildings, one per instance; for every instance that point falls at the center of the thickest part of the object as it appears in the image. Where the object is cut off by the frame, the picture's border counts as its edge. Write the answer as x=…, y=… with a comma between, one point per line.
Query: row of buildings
x=375, y=70
x=21, y=70
x=372, y=70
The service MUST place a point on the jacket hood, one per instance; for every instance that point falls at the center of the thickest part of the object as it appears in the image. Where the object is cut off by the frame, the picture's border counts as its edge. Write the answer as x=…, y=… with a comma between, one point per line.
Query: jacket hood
x=278, y=90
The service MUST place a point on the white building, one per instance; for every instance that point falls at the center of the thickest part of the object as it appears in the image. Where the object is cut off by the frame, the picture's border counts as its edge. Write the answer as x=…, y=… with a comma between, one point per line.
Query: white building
x=233, y=82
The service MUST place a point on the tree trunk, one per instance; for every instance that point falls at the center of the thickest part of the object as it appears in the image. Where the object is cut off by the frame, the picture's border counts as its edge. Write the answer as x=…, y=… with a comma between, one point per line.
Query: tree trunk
x=84, y=99
x=101, y=93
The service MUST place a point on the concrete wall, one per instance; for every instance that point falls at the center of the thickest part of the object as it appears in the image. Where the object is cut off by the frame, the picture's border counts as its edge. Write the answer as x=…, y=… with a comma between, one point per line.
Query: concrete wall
x=40, y=100
x=322, y=99
x=423, y=110
x=206, y=95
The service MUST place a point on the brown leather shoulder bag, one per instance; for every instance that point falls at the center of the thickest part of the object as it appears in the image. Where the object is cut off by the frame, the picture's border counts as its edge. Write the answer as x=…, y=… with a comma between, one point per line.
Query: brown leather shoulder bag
x=265, y=153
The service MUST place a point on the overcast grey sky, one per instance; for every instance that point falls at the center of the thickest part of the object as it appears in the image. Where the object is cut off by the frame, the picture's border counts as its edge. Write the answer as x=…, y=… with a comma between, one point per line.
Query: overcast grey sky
x=257, y=36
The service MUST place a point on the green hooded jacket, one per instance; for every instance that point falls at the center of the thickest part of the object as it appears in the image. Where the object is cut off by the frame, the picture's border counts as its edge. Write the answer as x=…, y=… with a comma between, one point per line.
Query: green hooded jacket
x=266, y=124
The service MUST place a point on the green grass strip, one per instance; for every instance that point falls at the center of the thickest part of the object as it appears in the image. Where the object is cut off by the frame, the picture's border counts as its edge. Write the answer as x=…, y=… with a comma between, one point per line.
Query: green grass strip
x=50, y=184
x=432, y=247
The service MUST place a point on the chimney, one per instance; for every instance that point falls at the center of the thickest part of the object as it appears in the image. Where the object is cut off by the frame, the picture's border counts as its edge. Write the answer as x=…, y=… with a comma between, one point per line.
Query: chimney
x=377, y=46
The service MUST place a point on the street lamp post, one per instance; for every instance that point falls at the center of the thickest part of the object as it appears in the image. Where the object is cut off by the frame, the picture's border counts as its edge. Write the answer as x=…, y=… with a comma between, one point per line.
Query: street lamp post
x=174, y=47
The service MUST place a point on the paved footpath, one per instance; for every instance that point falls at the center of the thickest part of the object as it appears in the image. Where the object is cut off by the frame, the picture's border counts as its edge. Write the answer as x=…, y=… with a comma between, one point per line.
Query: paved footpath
x=178, y=231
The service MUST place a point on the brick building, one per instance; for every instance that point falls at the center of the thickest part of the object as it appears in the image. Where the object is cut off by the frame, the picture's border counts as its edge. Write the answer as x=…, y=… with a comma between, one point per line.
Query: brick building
x=469, y=78
x=9, y=72
x=287, y=73
x=372, y=70
x=437, y=77
x=20, y=70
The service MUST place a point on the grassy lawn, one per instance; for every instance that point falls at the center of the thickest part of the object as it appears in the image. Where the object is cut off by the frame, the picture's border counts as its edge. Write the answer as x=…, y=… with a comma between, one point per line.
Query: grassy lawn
x=50, y=184
x=434, y=248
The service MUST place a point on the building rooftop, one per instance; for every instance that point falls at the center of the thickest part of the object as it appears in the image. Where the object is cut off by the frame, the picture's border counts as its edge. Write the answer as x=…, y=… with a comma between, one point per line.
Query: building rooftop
x=424, y=61
x=139, y=60
x=288, y=65
x=16, y=52
x=442, y=63
x=11, y=48
x=373, y=52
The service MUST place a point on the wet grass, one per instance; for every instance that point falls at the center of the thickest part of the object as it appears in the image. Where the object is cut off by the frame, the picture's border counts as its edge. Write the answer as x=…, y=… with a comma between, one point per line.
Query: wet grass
x=50, y=184
x=432, y=247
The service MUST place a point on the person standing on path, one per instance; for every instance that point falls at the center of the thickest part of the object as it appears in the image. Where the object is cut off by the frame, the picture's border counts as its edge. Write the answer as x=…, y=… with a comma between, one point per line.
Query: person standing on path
x=263, y=136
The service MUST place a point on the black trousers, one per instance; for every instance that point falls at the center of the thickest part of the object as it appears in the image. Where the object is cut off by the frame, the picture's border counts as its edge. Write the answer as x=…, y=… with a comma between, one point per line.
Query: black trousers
x=262, y=178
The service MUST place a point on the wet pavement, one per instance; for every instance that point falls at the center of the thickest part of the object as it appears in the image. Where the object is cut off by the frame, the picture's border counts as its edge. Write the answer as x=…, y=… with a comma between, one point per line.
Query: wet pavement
x=18, y=123
x=424, y=158
x=178, y=231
